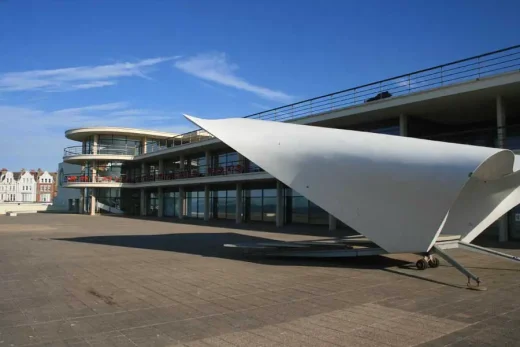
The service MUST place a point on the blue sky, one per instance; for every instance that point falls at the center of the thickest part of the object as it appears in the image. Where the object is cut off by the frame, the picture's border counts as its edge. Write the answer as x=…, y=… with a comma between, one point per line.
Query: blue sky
x=66, y=64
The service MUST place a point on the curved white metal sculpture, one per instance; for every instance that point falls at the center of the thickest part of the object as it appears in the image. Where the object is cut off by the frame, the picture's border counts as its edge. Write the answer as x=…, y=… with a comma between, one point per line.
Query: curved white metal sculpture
x=399, y=192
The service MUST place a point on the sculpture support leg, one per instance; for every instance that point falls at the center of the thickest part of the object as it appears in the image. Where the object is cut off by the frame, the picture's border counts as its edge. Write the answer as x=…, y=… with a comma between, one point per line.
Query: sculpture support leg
x=455, y=264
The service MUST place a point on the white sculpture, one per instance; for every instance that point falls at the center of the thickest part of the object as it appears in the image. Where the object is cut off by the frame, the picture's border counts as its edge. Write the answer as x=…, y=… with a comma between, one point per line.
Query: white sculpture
x=399, y=192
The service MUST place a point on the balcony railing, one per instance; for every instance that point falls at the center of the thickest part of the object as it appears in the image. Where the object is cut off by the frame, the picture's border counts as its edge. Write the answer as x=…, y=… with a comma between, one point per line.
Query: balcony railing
x=232, y=168
x=484, y=65
x=100, y=150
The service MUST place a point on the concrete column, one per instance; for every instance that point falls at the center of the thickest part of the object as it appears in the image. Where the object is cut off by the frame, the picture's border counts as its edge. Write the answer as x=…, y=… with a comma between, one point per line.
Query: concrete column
x=144, y=169
x=93, y=171
x=182, y=203
x=503, y=225
x=142, y=208
x=238, y=211
x=161, y=202
x=403, y=125
x=279, y=204
x=95, y=144
x=93, y=202
x=207, y=205
x=81, y=201
x=161, y=166
x=208, y=162
x=143, y=145
x=70, y=201
x=181, y=162
x=333, y=222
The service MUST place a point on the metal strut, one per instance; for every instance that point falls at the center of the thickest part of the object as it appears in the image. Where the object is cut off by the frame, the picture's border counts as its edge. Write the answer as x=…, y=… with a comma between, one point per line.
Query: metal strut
x=488, y=251
x=458, y=266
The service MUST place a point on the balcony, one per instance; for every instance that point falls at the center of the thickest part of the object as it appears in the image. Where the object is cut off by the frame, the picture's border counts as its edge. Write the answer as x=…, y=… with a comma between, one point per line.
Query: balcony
x=231, y=169
x=108, y=152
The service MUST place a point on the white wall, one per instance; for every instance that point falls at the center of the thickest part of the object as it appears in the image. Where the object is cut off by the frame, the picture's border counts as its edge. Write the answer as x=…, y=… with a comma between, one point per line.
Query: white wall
x=20, y=206
x=7, y=187
x=61, y=201
x=26, y=188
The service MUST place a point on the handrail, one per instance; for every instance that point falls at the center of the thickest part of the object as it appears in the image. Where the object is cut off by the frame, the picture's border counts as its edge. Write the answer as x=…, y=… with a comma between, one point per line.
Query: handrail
x=231, y=168
x=100, y=150
x=483, y=65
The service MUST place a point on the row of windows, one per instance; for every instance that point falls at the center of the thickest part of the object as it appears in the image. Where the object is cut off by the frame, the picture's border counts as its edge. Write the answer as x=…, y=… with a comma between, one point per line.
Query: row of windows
x=8, y=197
x=7, y=188
x=45, y=180
x=45, y=188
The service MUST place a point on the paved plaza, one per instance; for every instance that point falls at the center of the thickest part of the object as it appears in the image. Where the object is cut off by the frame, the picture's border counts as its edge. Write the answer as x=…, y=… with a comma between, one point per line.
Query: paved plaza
x=74, y=280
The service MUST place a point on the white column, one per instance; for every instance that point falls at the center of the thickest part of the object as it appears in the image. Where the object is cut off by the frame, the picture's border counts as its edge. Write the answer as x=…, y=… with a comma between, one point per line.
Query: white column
x=93, y=202
x=93, y=171
x=238, y=205
x=333, y=222
x=143, y=145
x=207, y=205
x=143, y=203
x=95, y=144
x=182, y=203
x=279, y=204
x=503, y=230
x=161, y=201
x=403, y=125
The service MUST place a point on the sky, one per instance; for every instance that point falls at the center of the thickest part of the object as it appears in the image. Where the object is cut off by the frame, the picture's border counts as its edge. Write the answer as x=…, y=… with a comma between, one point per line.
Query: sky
x=68, y=64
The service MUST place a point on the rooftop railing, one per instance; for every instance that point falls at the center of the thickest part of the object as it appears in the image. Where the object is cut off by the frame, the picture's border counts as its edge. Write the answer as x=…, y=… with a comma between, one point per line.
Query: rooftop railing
x=484, y=65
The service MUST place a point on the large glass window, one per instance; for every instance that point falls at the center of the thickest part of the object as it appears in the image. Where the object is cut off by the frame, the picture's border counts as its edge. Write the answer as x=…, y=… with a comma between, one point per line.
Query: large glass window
x=120, y=145
x=260, y=204
x=304, y=211
x=195, y=204
x=171, y=204
x=152, y=206
x=224, y=204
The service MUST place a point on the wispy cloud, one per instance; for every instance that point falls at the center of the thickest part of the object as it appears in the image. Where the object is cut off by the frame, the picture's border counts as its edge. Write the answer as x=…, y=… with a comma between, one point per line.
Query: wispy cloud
x=261, y=106
x=216, y=68
x=77, y=78
x=35, y=137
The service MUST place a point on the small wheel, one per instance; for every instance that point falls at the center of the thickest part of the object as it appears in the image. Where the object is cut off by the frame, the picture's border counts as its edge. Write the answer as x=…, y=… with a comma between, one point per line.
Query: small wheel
x=421, y=264
x=434, y=262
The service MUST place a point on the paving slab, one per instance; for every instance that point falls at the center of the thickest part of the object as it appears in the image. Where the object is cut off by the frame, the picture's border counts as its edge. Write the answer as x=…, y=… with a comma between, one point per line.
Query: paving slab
x=75, y=280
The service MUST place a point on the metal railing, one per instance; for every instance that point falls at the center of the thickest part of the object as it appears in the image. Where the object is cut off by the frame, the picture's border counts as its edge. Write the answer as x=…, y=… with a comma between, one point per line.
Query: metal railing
x=87, y=178
x=101, y=150
x=231, y=168
x=484, y=65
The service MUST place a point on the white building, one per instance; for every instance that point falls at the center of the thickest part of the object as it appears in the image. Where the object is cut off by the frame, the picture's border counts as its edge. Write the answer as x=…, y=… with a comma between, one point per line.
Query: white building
x=26, y=188
x=7, y=186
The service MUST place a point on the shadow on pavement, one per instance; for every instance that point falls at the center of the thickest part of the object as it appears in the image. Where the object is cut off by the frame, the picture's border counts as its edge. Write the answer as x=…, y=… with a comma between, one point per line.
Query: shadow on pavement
x=212, y=245
x=292, y=229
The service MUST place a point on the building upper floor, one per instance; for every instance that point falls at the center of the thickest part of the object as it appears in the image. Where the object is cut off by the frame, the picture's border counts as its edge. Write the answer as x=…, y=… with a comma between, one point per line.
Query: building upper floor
x=473, y=101
x=115, y=142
